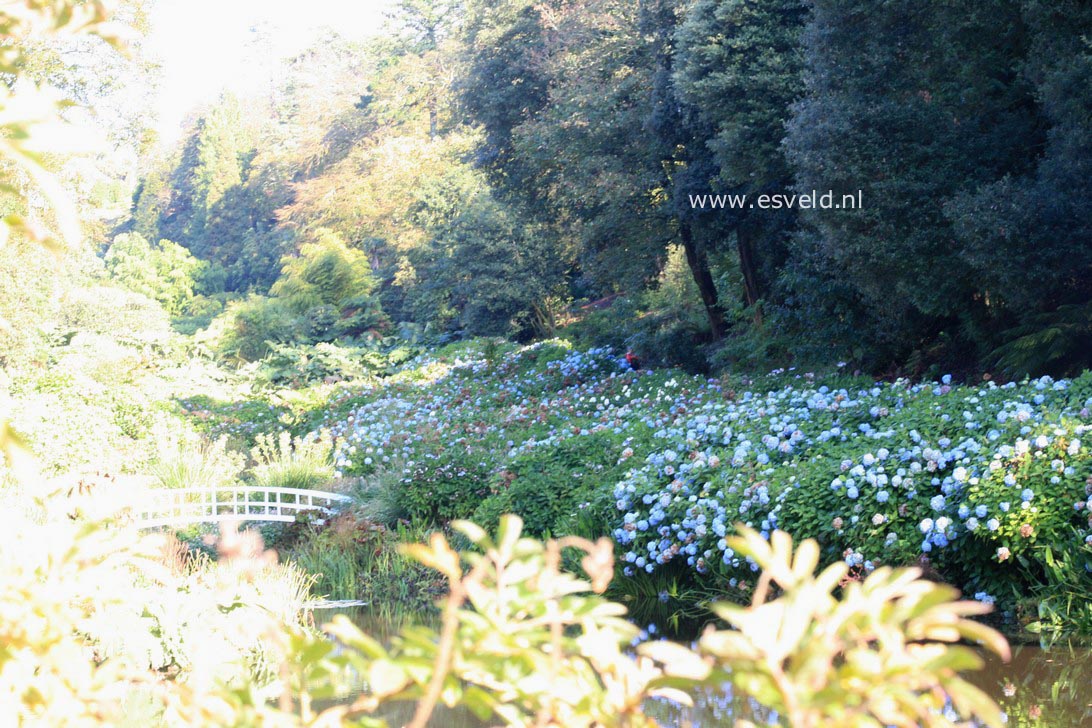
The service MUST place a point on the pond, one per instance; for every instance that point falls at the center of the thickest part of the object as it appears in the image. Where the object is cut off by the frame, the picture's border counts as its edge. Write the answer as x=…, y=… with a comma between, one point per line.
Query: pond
x=1039, y=686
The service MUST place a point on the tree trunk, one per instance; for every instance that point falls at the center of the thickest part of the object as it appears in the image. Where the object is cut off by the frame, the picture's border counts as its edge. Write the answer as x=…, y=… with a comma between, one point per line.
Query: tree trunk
x=703, y=277
x=752, y=290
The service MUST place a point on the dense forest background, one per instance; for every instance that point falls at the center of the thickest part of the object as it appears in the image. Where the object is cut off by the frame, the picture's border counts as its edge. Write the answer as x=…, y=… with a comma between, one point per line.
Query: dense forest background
x=524, y=167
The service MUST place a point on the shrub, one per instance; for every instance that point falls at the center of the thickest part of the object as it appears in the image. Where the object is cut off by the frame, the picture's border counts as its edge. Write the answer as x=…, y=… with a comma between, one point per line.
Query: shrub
x=54, y=579
x=166, y=271
x=885, y=473
x=547, y=485
x=523, y=642
x=972, y=479
x=602, y=323
x=92, y=613
x=329, y=285
x=356, y=558
x=301, y=364
x=381, y=498
x=447, y=485
x=522, y=639
x=193, y=632
x=135, y=420
x=293, y=462
x=103, y=359
x=333, y=563
x=190, y=463
x=666, y=326
x=120, y=314
x=198, y=314
x=1057, y=342
x=1065, y=596
x=245, y=329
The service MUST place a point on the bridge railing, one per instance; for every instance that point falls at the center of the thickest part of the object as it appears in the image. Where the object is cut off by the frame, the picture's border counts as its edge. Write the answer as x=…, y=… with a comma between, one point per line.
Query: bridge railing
x=179, y=506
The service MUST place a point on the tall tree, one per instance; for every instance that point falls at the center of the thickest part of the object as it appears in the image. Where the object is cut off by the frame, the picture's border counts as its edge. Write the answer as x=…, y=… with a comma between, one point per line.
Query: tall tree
x=504, y=83
x=492, y=270
x=913, y=104
x=740, y=68
x=681, y=137
x=584, y=154
x=210, y=164
x=582, y=128
x=426, y=26
x=1029, y=237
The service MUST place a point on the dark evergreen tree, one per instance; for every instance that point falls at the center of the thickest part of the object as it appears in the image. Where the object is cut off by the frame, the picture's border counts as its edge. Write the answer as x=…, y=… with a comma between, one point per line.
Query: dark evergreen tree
x=212, y=164
x=1029, y=237
x=496, y=271
x=680, y=137
x=505, y=83
x=914, y=104
x=740, y=67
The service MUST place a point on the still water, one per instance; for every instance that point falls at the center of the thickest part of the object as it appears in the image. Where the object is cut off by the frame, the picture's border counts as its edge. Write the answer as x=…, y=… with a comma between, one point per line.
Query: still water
x=1048, y=687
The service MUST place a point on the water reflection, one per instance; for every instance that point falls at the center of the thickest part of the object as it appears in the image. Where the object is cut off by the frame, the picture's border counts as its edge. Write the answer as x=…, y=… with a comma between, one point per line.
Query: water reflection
x=1041, y=687
x=1038, y=687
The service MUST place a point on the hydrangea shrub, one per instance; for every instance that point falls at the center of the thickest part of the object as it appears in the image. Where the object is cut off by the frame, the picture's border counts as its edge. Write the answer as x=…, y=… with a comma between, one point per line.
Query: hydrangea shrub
x=972, y=481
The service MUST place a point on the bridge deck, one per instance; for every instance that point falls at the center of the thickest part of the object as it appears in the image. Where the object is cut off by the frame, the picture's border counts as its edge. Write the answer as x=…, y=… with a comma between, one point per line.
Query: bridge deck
x=181, y=506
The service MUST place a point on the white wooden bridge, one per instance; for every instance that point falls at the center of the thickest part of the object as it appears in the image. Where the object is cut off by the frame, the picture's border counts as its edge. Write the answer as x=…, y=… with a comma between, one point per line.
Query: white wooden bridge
x=183, y=506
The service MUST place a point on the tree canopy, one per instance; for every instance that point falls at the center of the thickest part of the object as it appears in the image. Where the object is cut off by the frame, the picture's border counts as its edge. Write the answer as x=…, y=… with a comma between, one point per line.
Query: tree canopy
x=505, y=167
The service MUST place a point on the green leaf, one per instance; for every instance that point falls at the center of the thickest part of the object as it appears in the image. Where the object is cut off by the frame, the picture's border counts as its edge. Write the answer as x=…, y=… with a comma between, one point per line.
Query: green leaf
x=678, y=660
x=386, y=677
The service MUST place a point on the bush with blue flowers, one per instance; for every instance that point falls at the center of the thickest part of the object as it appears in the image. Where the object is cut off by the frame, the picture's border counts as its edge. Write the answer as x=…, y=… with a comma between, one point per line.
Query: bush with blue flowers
x=975, y=481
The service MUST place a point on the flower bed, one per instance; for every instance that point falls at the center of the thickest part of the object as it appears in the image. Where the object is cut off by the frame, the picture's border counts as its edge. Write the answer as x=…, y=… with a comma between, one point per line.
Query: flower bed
x=980, y=481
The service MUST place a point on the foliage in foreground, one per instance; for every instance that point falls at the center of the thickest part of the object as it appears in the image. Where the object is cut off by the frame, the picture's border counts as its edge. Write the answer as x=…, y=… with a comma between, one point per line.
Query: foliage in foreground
x=874, y=656
x=522, y=641
x=100, y=624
